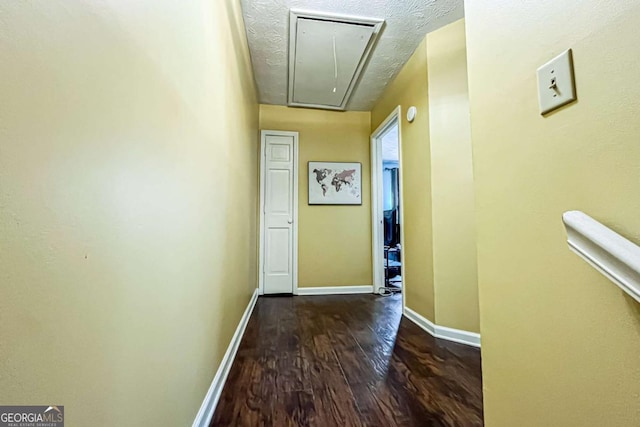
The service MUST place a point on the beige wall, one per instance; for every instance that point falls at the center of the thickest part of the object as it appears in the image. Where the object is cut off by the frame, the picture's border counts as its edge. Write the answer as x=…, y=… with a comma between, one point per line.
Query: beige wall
x=410, y=88
x=334, y=242
x=560, y=342
x=128, y=171
x=454, y=233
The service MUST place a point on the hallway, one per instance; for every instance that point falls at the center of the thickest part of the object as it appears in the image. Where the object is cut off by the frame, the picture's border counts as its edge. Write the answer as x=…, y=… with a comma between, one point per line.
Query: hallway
x=347, y=361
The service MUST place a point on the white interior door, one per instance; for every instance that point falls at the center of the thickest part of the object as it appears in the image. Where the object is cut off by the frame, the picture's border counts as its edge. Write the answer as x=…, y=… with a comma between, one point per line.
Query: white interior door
x=279, y=212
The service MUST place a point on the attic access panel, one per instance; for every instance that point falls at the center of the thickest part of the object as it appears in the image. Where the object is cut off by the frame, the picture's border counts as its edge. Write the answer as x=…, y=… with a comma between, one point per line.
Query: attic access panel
x=327, y=54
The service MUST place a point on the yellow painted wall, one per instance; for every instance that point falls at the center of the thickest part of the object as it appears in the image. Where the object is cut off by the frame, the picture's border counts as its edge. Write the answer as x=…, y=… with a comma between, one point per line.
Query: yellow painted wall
x=454, y=233
x=128, y=192
x=334, y=242
x=410, y=88
x=561, y=343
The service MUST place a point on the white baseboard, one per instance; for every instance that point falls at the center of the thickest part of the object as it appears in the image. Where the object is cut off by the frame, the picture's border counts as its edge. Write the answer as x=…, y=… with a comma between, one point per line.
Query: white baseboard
x=449, y=334
x=423, y=322
x=336, y=290
x=215, y=390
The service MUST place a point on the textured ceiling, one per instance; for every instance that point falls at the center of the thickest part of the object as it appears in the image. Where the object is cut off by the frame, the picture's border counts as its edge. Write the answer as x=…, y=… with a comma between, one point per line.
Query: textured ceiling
x=406, y=23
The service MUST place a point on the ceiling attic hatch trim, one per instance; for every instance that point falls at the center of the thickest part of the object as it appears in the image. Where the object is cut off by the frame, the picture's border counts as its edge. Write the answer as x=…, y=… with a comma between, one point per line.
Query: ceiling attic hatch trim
x=327, y=54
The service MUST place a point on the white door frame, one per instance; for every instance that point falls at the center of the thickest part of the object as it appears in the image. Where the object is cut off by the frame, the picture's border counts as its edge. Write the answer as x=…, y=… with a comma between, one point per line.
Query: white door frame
x=263, y=156
x=376, y=200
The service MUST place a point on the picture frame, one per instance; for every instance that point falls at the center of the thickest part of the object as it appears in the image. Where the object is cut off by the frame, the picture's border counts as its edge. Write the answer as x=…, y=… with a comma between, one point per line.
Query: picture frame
x=335, y=183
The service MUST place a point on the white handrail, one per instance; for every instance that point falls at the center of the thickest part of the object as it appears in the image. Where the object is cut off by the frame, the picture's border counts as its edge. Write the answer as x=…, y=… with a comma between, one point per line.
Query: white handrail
x=615, y=257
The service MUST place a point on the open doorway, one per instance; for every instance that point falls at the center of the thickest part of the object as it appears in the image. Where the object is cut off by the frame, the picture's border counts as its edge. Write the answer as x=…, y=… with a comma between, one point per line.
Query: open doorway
x=387, y=205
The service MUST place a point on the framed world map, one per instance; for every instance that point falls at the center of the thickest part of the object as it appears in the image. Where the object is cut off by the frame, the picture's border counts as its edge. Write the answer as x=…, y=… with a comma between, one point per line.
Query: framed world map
x=335, y=183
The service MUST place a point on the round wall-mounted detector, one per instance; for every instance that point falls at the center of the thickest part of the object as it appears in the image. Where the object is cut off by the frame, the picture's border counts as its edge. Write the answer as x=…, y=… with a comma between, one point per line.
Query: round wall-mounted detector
x=411, y=114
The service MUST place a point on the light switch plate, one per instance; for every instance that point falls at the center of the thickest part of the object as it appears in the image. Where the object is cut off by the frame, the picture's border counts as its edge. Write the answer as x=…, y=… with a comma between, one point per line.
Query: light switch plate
x=556, y=86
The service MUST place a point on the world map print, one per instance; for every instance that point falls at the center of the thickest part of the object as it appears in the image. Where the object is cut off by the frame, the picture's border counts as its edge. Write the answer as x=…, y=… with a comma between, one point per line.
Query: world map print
x=334, y=183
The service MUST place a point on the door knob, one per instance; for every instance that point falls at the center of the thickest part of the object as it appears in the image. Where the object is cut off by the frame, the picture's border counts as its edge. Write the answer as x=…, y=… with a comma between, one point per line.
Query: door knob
x=290, y=221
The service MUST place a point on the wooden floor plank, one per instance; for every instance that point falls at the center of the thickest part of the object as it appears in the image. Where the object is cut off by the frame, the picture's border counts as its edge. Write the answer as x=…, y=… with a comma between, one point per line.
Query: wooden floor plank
x=348, y=360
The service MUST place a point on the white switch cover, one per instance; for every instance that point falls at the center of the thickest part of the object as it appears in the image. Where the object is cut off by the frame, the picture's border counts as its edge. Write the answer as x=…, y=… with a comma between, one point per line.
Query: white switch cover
x=556, y=86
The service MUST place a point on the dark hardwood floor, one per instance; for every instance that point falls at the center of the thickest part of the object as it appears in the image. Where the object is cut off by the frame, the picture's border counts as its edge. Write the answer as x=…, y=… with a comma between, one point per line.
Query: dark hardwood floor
x=348, y=360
